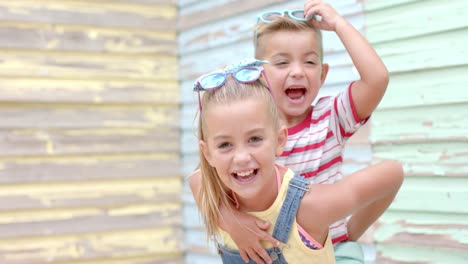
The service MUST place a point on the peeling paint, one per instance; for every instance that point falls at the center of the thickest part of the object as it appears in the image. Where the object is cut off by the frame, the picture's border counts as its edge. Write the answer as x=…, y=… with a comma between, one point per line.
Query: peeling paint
x=428, y=219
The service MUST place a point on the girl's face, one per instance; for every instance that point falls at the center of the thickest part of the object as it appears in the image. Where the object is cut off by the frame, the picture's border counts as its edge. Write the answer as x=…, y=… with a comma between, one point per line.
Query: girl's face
x=241, y=142
x=295, y=71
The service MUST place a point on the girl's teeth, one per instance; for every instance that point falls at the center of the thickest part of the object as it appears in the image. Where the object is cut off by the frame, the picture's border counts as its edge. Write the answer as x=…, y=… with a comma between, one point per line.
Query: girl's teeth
x=244, y=174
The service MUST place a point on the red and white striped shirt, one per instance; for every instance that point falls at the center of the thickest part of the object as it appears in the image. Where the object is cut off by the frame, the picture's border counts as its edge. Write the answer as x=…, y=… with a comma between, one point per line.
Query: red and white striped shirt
x=315, y=146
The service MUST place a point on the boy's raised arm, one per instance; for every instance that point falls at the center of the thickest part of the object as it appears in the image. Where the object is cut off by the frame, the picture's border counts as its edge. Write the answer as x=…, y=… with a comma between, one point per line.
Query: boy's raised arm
x=369, y=90
x=241, y=226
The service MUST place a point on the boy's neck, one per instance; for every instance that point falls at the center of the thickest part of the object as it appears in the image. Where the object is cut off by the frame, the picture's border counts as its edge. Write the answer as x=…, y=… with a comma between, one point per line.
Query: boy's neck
x=292, y=121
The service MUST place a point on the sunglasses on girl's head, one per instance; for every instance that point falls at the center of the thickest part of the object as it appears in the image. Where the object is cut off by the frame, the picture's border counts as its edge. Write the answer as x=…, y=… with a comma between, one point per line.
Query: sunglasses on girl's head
x=215, y=80
x=270, y=16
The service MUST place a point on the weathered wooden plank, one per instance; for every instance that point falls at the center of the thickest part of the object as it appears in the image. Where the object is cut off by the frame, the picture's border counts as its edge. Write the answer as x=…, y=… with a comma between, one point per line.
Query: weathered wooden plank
x=425, y=219
x=96, y=66
x=434, y=158
x=440, y=86
x=161, y=241
x=422, y=53
x=73, y=117
x=386, y=19
x=421, y=124
x=378, y=5
x=55, y=222
x=423, y=229
x=427, y=159
x=85, y=168
x=88, y=91
x=446, y=195
x=387, y=254
x=93, y=13
x=78, y=38
x=88, y=142
x=89, y=194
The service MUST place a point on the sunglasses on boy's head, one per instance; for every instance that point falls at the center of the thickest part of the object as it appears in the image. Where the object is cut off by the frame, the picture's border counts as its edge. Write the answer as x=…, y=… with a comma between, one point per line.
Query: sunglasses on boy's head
x=270, y=16
x=215, y=80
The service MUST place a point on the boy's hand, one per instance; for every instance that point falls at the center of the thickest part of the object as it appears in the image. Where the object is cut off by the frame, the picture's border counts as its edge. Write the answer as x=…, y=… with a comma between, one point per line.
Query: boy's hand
x=247, y=231
x=329, y=17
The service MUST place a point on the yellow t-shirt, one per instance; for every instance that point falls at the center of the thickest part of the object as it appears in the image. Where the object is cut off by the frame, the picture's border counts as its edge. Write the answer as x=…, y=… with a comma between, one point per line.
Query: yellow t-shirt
x=294, y=250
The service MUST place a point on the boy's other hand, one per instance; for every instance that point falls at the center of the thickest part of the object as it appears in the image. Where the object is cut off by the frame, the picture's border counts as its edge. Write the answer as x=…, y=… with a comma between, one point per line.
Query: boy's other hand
x=247, y=235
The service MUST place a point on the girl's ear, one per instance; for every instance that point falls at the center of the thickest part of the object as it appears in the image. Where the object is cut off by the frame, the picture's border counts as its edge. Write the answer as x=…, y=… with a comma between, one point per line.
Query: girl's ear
x=282, y=138
x=205, y=151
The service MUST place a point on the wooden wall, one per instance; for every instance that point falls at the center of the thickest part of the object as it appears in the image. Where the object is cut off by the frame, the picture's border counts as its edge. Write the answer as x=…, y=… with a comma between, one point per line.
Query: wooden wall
x=89, y=132
x=423, y=122
x=215, y=33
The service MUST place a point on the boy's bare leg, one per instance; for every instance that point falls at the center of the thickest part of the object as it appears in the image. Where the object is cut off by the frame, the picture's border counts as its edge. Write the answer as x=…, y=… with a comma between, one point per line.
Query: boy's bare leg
x=364, y=218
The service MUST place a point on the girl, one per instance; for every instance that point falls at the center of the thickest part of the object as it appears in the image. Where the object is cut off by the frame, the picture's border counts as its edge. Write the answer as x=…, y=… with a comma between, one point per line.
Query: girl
x=239, y=138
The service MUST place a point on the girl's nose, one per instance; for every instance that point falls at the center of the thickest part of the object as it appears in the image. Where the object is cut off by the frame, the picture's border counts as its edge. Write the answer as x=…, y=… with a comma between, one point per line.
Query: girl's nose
x=241, y=156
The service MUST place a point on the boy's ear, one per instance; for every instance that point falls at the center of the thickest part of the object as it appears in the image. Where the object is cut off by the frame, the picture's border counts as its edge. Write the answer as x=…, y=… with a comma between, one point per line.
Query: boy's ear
x=205, y=151
x=324, y=73
x=282, y=138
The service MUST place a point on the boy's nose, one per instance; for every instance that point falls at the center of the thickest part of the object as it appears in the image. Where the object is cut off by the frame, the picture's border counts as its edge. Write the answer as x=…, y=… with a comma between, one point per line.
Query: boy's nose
x=297, y=70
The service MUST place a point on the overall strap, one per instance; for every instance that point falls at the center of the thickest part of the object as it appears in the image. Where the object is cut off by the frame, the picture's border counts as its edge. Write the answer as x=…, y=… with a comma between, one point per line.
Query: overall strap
x=298, y=186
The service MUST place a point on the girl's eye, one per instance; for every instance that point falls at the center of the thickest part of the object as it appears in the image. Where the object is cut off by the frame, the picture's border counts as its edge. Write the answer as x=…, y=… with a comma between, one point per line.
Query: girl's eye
x=224, y=145
x=310, y=62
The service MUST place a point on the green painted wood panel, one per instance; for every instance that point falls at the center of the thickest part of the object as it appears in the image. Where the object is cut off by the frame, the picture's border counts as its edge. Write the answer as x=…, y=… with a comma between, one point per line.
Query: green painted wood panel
x=423, y=122
x=447, y=122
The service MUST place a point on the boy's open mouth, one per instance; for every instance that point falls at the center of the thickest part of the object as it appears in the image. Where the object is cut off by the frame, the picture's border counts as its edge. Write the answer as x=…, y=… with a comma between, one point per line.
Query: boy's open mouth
x=295, y=93
x=245, y=176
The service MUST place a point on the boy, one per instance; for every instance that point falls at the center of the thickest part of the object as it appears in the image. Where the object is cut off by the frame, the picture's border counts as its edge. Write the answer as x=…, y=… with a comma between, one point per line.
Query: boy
x=316, y=134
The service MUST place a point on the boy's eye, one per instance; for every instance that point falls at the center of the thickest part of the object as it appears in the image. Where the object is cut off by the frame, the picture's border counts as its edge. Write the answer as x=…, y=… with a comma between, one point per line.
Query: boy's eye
x=310, y=62
x=281, y=63
x=255, y=139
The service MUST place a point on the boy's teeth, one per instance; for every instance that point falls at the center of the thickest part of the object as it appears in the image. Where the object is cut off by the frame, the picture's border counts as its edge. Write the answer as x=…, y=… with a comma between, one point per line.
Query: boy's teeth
x=245, y=173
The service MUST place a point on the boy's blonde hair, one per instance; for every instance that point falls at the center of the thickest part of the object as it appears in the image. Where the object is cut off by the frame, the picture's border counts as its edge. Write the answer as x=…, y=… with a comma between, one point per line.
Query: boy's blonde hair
x=213, y=192
x=284, y=23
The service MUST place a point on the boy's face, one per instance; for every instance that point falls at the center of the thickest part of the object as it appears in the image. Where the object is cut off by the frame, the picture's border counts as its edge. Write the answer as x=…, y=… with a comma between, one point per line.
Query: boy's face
x=295, y=71
x=241, y=141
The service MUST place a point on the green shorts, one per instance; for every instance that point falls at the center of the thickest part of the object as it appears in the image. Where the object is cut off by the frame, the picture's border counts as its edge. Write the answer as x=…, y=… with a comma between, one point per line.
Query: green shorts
x=349, y=252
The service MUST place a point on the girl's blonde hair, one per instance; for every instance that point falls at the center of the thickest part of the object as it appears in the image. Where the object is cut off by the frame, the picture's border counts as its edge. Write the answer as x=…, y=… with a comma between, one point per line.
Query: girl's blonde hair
x=284, y=23
x=213, y=192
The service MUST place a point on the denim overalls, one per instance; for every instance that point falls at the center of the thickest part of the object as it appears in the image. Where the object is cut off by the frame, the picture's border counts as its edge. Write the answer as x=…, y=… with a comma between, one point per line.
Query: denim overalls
x=298, y=186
